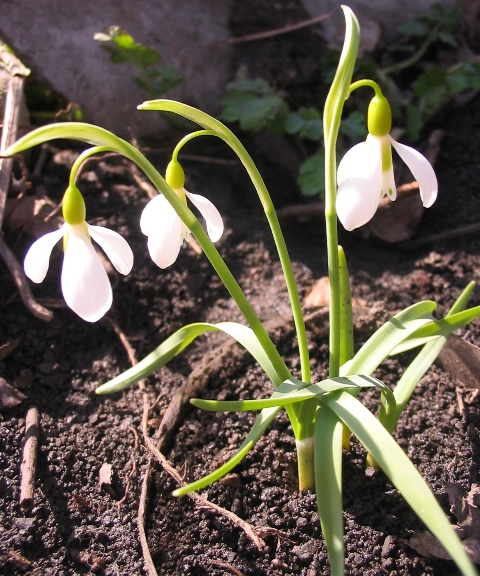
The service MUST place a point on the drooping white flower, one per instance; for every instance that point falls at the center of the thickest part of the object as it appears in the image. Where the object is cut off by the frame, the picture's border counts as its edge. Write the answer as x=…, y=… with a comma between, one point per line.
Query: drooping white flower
x=365, y=174
x=165, y=230
x=85, y=283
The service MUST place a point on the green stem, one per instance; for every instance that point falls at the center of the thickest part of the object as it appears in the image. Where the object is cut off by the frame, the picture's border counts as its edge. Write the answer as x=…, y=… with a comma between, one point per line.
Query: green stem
x=81, y=159
x=337, y=95
x=229, y=138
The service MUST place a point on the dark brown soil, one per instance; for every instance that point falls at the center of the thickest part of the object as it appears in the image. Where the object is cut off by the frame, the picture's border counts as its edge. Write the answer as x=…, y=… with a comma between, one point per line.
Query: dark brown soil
x=75, y=527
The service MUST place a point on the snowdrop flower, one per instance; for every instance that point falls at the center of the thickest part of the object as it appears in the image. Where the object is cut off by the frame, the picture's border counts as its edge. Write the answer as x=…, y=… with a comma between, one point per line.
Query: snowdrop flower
x=164, y=228
x=365, y=174
x=85, y=284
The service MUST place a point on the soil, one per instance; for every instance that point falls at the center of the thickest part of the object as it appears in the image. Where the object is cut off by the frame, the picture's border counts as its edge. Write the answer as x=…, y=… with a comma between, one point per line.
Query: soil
x=76, y=526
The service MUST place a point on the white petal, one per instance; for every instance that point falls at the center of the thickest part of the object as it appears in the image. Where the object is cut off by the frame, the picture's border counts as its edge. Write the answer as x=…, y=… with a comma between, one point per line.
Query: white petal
x=115, y=247
x=38, y=257
x=85, y=284
x=359, y=185
x=163, y=227
x=212, y=216
x=421, y=170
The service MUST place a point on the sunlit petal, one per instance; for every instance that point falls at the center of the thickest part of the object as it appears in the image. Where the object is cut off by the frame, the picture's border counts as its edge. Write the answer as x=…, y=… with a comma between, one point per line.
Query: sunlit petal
x=421, y=170
x=151, y=213
x=212, y=216
x=115, y=247
x=38, y=257
x=163, y=227
x=359, y=186
x=85, y=284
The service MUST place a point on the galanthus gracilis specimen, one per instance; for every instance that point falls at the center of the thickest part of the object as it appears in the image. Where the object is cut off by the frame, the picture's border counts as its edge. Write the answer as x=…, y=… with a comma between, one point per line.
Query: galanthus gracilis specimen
x=323, y=414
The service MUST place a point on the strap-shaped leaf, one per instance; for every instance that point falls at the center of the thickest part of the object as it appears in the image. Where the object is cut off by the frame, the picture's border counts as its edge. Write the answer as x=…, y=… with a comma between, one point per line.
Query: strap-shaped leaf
x=422, y=362
x=401, y=471
x=261, y=423
x=293, y=391
x=388, y=337
x=178, y=341
x=328, y=485
x=443, y=327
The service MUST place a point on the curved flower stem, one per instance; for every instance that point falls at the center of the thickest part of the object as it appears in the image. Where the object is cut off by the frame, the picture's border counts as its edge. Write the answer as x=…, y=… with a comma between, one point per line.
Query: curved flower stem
x=364, y=83
x=337, y=95
x=234, y=143
x=81, y=159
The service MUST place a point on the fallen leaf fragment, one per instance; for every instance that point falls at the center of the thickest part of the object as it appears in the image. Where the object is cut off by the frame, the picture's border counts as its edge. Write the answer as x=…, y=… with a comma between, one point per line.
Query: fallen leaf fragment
x=9, y=396
x=462, y=360
x=466, y=508
x=106, y=480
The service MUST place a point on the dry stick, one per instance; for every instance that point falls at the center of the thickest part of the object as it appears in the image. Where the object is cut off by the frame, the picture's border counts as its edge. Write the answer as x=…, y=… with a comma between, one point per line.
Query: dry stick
x=199, y=500
x=142, y=506
x=29, y=459
x=9, y=134
x=132, y=471
x=23, y=288
x=279, y=31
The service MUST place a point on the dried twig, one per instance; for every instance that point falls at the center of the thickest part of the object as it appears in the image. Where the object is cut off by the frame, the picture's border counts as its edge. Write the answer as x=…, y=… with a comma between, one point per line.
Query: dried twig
x=279, y=31
x=133, y=469
x=23, y=288
x=199, y=500
x=9, y=135
x=29, y=459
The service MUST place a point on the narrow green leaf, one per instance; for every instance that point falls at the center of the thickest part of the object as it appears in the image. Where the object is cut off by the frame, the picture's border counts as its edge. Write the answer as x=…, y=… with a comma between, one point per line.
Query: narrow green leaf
x=328, y=485
x=403, y=474
x=178, y=341
x=443, y=327
x=293, y=391
x=263, y=420
x=388, y=337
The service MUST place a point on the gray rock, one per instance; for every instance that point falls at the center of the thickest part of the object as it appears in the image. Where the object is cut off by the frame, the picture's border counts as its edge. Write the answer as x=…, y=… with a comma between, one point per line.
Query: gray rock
x=55, y=39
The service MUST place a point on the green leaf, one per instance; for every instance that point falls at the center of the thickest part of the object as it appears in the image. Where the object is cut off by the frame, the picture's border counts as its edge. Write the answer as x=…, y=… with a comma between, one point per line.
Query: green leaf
x=254, y=104
x=354, y=126
x=443, y=327
x=401, y=471
x=388, y=337
x=306, y=122
x=263, y=420
x=293, y=391
x=312, y=175
x=328, y=485
x=177, y=342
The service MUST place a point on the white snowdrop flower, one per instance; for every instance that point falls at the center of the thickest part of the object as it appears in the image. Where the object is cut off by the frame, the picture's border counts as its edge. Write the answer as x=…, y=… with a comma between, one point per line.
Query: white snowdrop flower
x=365, y=174
x=84, y=280
x=165, y=230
